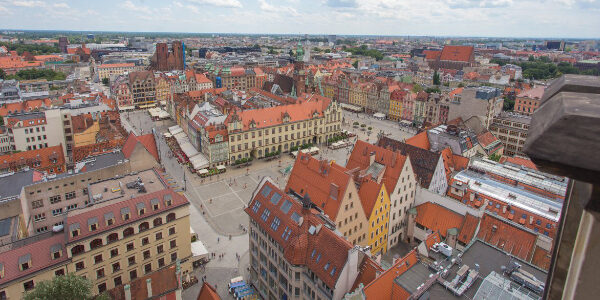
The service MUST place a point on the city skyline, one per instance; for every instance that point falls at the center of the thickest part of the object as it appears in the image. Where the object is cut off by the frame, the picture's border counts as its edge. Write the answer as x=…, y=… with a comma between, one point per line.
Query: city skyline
x=456, y=18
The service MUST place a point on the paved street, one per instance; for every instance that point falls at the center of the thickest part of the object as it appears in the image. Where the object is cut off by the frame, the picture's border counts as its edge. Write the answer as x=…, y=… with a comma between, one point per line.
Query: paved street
x=218, y=201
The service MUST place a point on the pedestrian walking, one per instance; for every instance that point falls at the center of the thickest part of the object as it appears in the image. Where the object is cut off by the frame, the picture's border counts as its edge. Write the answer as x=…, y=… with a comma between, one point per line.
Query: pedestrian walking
x=218, y=239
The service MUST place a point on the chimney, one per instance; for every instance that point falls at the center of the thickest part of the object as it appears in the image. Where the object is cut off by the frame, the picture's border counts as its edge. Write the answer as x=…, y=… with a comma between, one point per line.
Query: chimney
x=149, y=287
x=127, y=289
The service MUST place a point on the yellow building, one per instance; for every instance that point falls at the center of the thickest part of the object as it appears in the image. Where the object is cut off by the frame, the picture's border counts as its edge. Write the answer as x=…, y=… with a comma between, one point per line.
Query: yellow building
x=257, y=132
x=376, y=204
x=112, y=70
x=163, y=89
x=395, y=112
x=120, y=235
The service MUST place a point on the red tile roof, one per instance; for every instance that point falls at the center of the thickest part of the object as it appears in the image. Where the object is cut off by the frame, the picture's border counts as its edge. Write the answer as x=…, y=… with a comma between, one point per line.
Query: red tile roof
x=420, y=140
x=44, y=156
x=207, y=292
x=367, y=272
x=523, y=161
x=81, y=218
x=313, y=250
x=384, y=287
x=541, y=258
x=438, y=218
x=368, y=193
x=319, y=179
x=121, y=65
x=432, y=54
x=534, y=93
x=147, y=142
x=271, y=116
x=507, y=237
x=39, y=250
x=467, y=231
x=453, y=162
x=457, y=53
x=393, y=161
x=486, y=138
x=81, y=123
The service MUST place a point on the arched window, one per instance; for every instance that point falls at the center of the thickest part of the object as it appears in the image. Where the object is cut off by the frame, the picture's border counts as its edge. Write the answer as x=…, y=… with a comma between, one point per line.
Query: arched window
x=113, y=237
x=170, y=217
x=144, y=226
x=157, y=222
x=77, y=250
x=95, y=243
x=127, y=232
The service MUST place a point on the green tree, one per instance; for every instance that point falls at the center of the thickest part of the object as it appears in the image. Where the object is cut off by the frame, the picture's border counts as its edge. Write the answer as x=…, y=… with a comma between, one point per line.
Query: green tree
x=105, y=81
x=531, y=58
x=417, y=88
x=495, y=157
x=2, y=74
x=291, y=53
x=436, y=78
x=509, y=104
x=461, y=85
x=66, y=287
x=355, y=64
x=1, y=121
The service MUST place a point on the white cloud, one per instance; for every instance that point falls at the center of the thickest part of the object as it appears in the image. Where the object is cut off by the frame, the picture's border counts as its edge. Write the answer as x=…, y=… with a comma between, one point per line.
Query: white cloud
x=28, y=3
x=221, y=3
x=267, y=7
x=61, y=5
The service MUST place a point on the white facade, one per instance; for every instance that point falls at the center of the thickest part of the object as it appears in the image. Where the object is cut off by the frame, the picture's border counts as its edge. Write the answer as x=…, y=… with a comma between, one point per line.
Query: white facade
x=402, y=199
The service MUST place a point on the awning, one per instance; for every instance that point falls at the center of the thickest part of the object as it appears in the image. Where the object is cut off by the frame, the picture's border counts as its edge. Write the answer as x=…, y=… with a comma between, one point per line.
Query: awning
x=351, y=107
x=147, y=105
x=199, y=161
x=220, y=167
x=305, y=151
x=163, y=114
x=203, y=171
x=199, y=250
x=314, y=150
x=121, y=108
x=175, y=129
x=163, y=102
x=379, y=116
x=166, y=134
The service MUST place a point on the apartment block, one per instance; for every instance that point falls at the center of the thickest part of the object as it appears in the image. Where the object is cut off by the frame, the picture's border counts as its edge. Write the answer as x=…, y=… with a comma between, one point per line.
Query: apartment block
x=110, y=71
x=511, y=129
x=295, y=252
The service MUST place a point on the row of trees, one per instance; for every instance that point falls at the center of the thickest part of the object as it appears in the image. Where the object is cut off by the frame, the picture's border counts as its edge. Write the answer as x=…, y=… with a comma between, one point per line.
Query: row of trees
x=35, y=74
x=31, y=48
x=543, y=68
x=363, y=50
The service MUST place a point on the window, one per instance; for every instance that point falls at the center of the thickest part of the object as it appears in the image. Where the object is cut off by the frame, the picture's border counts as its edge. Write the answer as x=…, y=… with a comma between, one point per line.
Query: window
x=37, y=204
x=146, y=254
x=148, y=268
x=116, y=267
x=101, y=288
x=118, y=281
x=275, y=223
x=56, y=212
x=256, y=206
x=132, y=275
x=100, y=273
x=79, y=266
x=98, y=259
x=159, y=249
x=39, y=217
x=265, y=214
x=130, y=246
x=70, y=195
x=28, y=285
x=56, y=273
x=172, y=244
x=172, y=231
x=158, y=235
x=173, y=256
x=55, y=199
x=131, y=260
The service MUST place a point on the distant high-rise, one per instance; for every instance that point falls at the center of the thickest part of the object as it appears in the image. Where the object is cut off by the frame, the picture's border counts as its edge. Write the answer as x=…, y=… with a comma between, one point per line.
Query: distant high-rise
x=165, y=60
x=63, y=42
x=331, y=38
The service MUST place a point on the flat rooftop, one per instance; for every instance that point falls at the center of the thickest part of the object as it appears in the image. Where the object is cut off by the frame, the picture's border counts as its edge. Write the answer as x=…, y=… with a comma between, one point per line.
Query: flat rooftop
x=489, y=260
x=519, y=197
x=127, y=187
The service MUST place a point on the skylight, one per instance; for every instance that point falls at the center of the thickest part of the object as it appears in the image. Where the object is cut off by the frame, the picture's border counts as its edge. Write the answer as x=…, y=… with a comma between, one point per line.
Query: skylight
x=275, y=198
x=296, y=217
x=266, y=191
x=256, y=207
x=285, y=207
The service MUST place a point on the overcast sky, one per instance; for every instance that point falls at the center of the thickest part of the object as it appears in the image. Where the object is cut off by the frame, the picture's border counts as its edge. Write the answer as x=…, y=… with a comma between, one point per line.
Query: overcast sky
x=506, y=18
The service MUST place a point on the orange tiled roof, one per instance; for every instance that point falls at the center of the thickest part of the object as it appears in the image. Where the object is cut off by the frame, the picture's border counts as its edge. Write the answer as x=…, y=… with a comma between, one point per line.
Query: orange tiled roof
x=324, y=182
x=457, y=53
x=82, y=122
x=384, y=287
x=432, y=54
x=207, y=292
x=120, y=65
x=467, y=231
x=519, y=161
x=486, y=138
x=44, y=156
x=432, y=238
x=367, y=272
x=271, y=116
x=507, y=237
x=368, y=193
x=438, y=218
x=420, y=140
x=147, y=142
x=393, y=161
x=453, y=162
x=16, y=62
x=456, y=92
x=164, y=284
x=541, y=258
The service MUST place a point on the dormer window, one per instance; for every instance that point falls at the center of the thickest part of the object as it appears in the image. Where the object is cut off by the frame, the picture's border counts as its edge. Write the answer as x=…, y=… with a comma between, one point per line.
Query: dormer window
x=154, y=203
x=56, y=251
x=141, y=208
x=25, y=262
x=93, y=223
x=168, y=200
x=125, y=213
x=109, y=218
x=74, y=229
